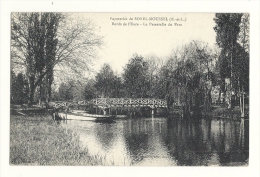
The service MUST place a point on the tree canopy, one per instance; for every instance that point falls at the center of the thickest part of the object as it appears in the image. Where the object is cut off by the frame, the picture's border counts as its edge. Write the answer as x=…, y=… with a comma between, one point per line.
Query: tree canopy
x=136, y=77
x=45, y=43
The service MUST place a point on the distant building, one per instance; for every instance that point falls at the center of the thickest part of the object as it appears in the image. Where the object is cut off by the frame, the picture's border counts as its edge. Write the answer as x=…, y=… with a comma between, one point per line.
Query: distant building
x=215, y=95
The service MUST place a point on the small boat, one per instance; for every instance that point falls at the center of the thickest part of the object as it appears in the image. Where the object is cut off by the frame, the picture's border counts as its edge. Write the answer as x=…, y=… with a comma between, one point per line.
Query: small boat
x=121, y=116
x=81, y=115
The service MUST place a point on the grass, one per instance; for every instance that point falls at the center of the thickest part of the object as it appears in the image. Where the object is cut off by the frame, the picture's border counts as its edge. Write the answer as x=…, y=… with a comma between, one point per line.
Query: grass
x=229, y=113
x=37, y=140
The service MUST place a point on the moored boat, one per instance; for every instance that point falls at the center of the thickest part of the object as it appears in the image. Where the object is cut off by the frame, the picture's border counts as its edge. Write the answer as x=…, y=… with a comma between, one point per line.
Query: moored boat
x=121, y=116
x=81, y=115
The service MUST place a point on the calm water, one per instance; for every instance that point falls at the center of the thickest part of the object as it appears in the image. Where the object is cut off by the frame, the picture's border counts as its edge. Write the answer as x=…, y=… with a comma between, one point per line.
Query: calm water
x=164, y=142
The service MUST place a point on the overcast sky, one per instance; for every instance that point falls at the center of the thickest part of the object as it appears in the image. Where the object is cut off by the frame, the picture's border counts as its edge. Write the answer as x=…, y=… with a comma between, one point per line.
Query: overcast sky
x=121, y=42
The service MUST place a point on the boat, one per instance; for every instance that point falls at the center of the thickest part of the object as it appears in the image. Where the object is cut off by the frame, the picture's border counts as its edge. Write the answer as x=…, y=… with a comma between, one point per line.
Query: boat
x=121, y=116
x=82, y=115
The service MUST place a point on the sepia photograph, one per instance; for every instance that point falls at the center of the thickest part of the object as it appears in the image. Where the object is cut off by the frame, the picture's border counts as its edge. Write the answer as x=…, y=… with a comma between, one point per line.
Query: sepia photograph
x=123, y=89
x=129, y=89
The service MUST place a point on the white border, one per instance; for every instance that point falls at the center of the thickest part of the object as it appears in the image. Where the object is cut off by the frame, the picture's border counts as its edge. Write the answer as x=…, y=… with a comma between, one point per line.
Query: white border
x=127, y=6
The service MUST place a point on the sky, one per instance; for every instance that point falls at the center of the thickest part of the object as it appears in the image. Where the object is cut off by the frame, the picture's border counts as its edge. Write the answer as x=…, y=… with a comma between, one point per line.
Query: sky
x=122, y=41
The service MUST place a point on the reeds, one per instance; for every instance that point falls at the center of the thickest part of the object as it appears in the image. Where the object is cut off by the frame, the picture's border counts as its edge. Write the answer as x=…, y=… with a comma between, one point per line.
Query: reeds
x=37, y=140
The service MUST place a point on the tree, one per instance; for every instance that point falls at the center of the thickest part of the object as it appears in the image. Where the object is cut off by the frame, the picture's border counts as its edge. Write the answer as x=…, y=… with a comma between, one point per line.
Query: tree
x=188, y=77
x=90, y=91
x=19, y=88
x=107, y=84
x=233, y=38
x=13, y=86
x=136, y=77
x=66, y=91
x=44, y=43
x=243, y=36
x=118, y=87
x=154, y=65
x=104, y=81
x=77, y=46
x=227, y=29
x=243, y=75
x=33, y=43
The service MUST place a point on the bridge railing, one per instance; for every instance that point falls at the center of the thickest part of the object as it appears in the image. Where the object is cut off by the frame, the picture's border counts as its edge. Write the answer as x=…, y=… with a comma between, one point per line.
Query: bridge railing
x=152, y=102
x=128, y=101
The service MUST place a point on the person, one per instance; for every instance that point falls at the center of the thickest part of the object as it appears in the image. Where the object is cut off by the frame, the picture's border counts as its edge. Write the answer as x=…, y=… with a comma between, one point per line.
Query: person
x=53, y=113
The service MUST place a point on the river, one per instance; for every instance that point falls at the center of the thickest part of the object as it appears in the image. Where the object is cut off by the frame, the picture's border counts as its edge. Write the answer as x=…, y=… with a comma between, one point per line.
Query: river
x=165, y=142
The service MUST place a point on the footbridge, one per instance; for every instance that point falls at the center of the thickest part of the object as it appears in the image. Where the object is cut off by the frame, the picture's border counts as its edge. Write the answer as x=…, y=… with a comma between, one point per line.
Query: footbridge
x=105, y=103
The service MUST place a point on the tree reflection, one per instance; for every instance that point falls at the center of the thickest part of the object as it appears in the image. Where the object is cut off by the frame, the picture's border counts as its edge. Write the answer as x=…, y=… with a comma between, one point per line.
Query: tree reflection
x=232, y=147
x=136, y=138
x=105, y=133
x=175, y=141
x=206, y=142
x=137, y=145
x=185, y=142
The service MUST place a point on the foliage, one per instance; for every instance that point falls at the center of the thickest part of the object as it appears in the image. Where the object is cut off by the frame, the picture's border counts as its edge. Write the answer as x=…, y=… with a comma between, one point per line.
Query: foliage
x=233, y=39
x=34, y=44
x=90, y=91
x=136, y=78
x=65, y=91
x=243, y=36
x=71, y=91
x=227, y=29
x=243, y=59
x=47, y=46
x=45, y=43
x=155, y=64
x=19, y=88
x=107, y=83
x=188, y=76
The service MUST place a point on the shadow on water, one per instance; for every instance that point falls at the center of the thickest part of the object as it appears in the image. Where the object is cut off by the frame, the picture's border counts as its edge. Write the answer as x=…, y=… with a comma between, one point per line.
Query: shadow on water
x=172, y=141
x=208, y=141
x=105, y=135
x=136, y=139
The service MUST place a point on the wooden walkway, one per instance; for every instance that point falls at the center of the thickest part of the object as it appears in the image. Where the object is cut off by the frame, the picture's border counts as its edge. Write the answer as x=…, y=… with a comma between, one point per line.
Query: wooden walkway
x=115, y=102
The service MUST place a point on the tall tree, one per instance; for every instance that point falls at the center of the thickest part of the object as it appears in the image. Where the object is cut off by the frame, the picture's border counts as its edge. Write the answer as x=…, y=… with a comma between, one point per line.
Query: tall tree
x=90, y=91
x=108, y=84
x=188, y=77
x=243, y=74
x=227, y=29
x=13, y=86
x=118, y=87
x=136, y=77
x=66, y=91
x=154, y=65
x=34, y=42
x=104, y=81
x=44, y=43
x=243, y=36
x=19, y=88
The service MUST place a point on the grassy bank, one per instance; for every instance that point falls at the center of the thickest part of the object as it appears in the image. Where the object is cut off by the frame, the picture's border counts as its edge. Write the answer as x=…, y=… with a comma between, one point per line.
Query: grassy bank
x=37, y=140
x=234, y=113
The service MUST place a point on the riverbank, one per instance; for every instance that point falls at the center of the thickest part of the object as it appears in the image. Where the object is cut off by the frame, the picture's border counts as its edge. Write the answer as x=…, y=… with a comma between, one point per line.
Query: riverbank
x=222, y=112
x=37, y=140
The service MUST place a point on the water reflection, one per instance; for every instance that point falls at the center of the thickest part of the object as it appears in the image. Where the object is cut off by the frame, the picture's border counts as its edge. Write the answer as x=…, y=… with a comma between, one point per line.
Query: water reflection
x=162, y=141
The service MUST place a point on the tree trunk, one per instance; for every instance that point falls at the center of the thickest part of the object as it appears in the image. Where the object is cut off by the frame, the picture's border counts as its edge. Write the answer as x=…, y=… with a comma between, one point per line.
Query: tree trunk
x=40, y=102
x=178, y=96
x=219, y=96
x=31, y=95
x=231, y=75
x=242, y=105
x=229, y=101
x=41, y=95
x=48, y=95
x=243, y=115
